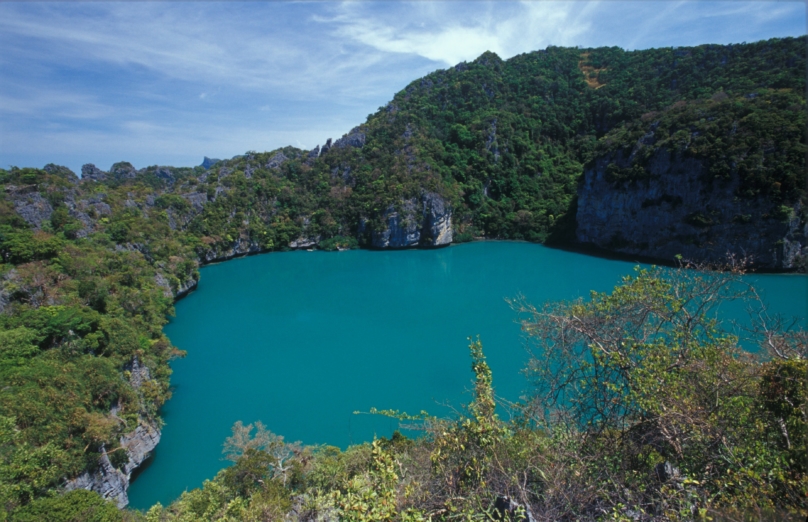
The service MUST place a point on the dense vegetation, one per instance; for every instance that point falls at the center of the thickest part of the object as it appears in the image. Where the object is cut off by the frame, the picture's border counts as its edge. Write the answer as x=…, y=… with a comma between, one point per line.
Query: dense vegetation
x=89, y=269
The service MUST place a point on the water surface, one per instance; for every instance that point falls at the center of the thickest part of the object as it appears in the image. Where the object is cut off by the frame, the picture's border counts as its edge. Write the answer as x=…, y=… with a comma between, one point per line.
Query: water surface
x=301, y=340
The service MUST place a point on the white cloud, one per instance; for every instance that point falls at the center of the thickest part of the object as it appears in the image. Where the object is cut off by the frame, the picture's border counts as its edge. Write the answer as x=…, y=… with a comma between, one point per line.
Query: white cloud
x=452, y=32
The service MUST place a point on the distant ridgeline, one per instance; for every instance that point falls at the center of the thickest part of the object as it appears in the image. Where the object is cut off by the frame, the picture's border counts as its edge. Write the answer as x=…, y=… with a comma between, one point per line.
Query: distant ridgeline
x=698, y=152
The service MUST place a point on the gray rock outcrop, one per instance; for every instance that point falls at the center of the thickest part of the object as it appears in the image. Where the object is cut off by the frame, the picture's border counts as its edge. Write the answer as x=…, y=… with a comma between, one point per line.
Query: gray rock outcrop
x=677, y=210
x=197, y=200
x=239, y=247
x=185, y=287
x=122, y=171
x=32, y=207
x=355, y=138
x=90, y=172
x=107, y=480
x=304, y=242
x=179, y=289
x=325, y=147
x=427, y=223
x=277, y=159
x=111, y=482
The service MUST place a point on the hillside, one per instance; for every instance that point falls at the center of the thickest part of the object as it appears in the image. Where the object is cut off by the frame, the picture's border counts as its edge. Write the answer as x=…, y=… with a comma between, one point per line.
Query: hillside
x=696, y=151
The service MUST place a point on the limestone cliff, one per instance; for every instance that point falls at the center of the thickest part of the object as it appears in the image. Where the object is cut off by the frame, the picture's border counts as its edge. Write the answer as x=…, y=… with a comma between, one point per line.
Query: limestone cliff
x=675, y=209
x=107, y=480
x=425, y=223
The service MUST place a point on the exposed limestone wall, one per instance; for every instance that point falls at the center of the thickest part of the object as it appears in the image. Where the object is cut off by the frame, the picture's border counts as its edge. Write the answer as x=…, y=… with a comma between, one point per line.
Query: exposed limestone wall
x=107, y=480
x=427, y=222
x=676, y=210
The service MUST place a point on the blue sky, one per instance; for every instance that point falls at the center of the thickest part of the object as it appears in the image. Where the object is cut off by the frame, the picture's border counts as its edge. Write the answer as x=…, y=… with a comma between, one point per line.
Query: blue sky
x=170, y=82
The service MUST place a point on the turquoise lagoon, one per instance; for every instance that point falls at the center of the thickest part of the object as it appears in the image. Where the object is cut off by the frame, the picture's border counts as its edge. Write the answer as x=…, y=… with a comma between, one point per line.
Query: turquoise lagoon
x=301, y=340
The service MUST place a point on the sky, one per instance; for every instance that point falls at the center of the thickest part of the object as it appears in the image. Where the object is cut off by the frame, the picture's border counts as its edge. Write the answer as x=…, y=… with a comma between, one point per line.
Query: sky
x=167, y=83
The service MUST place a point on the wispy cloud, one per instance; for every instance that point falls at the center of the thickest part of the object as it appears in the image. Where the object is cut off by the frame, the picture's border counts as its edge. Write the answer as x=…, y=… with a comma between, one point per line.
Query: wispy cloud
x=451, y=32
x=207, y=44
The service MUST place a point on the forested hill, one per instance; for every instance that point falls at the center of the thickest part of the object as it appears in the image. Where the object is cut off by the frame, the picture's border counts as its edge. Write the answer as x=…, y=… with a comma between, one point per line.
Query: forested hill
x=693, y=151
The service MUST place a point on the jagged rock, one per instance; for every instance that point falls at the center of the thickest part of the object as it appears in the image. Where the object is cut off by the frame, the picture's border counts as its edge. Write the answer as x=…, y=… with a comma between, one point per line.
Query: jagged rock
x=106, y=480
x=402, y=229
x=90, y=172
x=33, y=208
x=166, y=174
x=88, y=223
x=676, y=210
x=185, y=287
x=139, y=444
x=326, y=147
x=182, y=289
x=304, y=242
x=14, y=192
x=427, y=224
x=112, y=483
x=438, y=223
x=163, y=283
x=95, y=203
x=277, y=160
x=209, y=162
x=355, y=138
x=138, y=373
x=197, y=200
x=239, y=247
x=313, y=155
x=179, y=220
x=122, y=171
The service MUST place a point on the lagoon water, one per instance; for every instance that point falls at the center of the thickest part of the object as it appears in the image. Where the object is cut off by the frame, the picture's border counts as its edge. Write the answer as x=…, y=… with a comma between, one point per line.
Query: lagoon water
x=301, y=340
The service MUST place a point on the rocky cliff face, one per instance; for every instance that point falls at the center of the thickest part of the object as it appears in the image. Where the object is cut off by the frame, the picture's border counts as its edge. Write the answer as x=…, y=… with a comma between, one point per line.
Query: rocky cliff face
x=239, y=247
x=676, y=210
x=107, y=480
x=427, y=222
x=110, y=482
